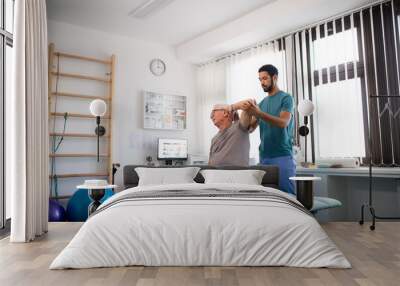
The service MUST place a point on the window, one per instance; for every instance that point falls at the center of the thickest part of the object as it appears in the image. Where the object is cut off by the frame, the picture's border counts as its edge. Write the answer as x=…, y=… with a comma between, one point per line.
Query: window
x=339, y=125
x=336, y=49
x=9, y=15
x=337, y=94
x=352, y=66
x=8, y=72
x=6, y=43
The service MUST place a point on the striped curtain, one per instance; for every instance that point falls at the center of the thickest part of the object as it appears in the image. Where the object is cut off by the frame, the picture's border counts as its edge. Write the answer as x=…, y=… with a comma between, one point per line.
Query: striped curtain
x=348, y=66
x=380, y=31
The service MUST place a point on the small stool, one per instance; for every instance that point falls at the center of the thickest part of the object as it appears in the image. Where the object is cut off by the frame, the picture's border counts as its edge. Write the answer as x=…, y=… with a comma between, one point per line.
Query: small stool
x=96, y=191
x=304, y=190
x=305, y=195
x=96, y=195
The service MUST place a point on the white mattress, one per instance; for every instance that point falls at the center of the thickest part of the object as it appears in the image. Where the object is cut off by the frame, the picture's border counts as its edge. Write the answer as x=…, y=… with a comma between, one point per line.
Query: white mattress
x=200, y=231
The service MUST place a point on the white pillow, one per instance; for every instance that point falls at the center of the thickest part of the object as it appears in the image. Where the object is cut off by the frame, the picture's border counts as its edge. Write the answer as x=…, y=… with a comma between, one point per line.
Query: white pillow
x=248, y=177
x=166, y=176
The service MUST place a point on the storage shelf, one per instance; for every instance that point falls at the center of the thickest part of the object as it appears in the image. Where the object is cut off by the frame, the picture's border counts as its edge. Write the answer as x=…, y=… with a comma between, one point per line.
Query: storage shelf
x=80, y=76
x=101, y=73
x=80, y=175
x=76, y=155
x=83, y=96
x=77, y=135
x=90, y=59
x=78, y=115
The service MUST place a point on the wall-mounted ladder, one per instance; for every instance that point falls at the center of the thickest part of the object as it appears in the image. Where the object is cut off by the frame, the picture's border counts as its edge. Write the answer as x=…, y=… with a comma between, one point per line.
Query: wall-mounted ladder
x=55, y=74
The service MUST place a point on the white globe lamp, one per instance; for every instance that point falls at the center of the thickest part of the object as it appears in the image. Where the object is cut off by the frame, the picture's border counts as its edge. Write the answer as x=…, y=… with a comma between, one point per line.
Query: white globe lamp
x=305, y=108
x=98, y=108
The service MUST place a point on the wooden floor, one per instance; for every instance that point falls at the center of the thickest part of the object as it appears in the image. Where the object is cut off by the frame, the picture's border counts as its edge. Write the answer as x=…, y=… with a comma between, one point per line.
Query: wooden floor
x=375, y=257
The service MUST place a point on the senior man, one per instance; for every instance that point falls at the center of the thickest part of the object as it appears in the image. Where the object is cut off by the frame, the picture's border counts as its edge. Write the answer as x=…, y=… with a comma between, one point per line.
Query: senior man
x=231, y=145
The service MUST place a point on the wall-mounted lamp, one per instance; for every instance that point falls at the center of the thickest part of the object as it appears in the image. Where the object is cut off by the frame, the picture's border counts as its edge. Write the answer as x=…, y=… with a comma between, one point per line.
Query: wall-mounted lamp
x=98, y=108
x=306, y=108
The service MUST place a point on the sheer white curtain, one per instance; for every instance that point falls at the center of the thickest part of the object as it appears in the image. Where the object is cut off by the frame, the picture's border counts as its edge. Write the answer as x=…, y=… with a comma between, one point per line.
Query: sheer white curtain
x=242, y=80
x=232, y=79
x=28, y=117
x=211, y=88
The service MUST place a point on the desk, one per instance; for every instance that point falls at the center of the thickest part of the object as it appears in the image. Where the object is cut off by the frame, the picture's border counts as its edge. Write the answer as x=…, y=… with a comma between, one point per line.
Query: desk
x=350, y=186
x=352, y=172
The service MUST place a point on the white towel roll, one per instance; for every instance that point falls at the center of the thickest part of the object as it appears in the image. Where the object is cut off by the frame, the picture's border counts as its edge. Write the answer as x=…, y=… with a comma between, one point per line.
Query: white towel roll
x=339, y=163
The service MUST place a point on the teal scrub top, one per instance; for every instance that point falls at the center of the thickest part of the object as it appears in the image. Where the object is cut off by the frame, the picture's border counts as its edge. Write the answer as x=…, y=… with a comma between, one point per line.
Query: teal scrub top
x=276, y=141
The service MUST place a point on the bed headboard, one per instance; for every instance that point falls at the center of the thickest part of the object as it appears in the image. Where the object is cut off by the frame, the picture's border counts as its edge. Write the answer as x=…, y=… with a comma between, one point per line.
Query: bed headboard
x=270, y=179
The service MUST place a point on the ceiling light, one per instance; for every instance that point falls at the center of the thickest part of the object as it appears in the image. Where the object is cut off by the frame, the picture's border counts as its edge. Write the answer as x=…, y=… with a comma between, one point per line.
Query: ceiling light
x=149, y=7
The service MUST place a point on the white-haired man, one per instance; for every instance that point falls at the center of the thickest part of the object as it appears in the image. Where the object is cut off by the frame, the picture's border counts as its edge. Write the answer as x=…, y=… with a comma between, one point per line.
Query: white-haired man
x=231, y=145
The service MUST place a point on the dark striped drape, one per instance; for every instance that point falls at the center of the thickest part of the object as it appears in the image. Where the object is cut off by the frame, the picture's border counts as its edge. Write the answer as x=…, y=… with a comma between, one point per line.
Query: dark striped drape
x=377, y=67
x=379, y=25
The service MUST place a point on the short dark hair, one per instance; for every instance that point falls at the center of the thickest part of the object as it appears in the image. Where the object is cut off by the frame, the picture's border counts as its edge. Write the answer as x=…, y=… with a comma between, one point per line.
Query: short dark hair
x=270, y=69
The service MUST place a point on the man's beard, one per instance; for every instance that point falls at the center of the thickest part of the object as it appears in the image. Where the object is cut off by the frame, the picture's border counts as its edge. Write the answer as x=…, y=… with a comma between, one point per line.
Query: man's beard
x=267, y=88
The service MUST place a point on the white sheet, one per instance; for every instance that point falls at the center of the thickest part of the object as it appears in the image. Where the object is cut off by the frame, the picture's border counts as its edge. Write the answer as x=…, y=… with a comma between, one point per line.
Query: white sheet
x=206, y=231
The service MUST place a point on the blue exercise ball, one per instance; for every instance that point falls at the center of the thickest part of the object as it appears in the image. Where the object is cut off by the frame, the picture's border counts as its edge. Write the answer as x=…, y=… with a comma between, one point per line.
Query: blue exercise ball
x=77, y=208
x=56, y=211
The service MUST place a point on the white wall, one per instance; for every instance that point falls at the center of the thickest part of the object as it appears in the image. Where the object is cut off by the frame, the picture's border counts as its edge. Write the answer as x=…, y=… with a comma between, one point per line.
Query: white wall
x=130, y=142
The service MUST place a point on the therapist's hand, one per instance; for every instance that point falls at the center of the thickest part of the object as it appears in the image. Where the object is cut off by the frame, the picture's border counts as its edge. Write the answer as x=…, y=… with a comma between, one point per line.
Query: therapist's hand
x=254, y=109
x=240, y=105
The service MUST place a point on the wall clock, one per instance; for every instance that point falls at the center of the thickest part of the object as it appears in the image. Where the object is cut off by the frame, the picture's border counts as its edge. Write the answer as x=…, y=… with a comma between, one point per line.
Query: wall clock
x=157, y=67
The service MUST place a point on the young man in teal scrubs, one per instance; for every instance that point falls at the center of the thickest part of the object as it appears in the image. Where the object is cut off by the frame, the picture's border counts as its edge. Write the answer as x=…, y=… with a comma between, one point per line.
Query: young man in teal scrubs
x=275, y=118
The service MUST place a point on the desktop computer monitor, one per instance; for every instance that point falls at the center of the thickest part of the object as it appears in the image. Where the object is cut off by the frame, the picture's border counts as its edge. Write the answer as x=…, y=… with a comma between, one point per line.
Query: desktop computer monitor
x=172, y=149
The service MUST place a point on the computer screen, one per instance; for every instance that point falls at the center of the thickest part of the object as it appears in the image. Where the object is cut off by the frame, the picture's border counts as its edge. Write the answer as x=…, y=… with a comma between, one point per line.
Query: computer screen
x=172, y=149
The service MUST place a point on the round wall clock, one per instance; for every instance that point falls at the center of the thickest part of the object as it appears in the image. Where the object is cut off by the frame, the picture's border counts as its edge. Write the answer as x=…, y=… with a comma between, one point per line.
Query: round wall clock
x=157, y=67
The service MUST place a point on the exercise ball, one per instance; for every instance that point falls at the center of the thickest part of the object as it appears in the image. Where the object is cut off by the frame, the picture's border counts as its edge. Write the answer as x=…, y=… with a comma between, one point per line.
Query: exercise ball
x=77, y=208
x=56, y=211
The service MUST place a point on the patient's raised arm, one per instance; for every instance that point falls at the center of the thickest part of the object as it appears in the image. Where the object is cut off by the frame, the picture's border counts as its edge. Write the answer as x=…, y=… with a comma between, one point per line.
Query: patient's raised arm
x=246, y=120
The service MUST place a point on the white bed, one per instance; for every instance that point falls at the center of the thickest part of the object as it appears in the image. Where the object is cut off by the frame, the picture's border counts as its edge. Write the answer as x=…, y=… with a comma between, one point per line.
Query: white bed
x=207, y=230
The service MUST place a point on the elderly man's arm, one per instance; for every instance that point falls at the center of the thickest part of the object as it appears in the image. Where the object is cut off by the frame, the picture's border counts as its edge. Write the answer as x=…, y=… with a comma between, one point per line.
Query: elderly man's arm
x=247, y=121
x=253, y=123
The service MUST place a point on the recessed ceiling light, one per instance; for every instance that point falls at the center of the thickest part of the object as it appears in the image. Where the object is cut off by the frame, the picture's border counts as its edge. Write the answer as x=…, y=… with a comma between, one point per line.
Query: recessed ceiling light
x=148, y=7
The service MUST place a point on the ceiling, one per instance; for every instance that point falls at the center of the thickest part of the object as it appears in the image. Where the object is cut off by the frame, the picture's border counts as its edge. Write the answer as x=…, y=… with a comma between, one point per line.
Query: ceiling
x=200, y=30
x=176, y=23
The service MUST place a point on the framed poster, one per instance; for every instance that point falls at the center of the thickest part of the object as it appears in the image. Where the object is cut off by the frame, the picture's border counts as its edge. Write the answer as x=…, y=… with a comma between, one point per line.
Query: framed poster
x=163, y=111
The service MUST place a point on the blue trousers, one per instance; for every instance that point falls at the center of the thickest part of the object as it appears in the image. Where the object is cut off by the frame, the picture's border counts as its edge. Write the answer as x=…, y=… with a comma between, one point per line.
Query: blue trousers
x=287, y=168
